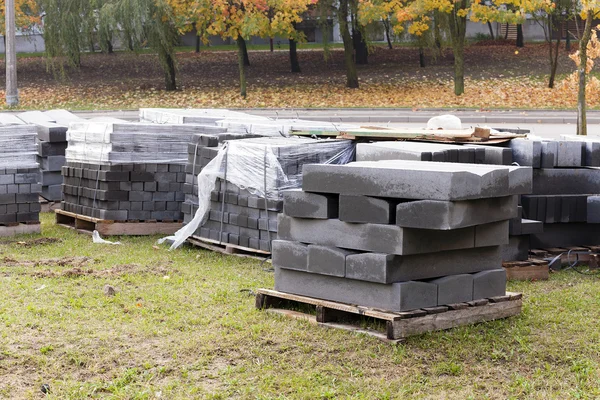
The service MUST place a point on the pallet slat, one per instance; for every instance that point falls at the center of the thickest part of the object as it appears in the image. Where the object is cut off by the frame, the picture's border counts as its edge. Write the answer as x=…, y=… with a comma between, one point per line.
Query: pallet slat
x=398, y=325
x=86, y=224
x=226, y=248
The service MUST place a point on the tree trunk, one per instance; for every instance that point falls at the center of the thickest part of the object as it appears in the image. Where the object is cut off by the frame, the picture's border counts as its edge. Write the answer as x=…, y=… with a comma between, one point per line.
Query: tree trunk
x=242, y=64
x=489, y=24
x=351, y=75
x=506, y=32
x=271, y=44
x=294, y=56
x=437, y=34
x=170, y=83
x=421, y=57
x=109, y=47
x=197, y=43
x=582, y=75
x=458, y=29
x=553, y=62
x=362, y=52
x=242, y=46
x=388, y=32
x=130, y=43
x=568, y=40
x=520, y=39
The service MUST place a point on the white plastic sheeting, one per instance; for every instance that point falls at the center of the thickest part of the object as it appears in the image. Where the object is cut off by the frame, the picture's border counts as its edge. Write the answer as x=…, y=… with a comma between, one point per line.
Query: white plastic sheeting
x=259, y=165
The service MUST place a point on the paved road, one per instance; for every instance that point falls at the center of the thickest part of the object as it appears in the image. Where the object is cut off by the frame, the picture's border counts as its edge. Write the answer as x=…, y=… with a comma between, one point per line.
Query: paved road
x=542, y=123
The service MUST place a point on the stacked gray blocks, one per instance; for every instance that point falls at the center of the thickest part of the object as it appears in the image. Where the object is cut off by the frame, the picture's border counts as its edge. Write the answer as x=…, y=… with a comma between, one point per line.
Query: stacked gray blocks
x=440, y=152
x=566, y=183
x=240, y=216
x=19, y=174
x=403, y=235
x=124, y=192
x=52, y=142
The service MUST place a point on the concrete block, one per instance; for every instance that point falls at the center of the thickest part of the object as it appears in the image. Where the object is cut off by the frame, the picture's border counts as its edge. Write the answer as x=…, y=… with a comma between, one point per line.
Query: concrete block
x=549, y=154
x=495, y=155
x=327, y=260
x=517, y=248
x=566, y=235
x=529, y=227
x=408, y=179
x=488, y=284
x=454, y=289
x=557, y=181
x=445, y=215
x=389, y=268
x=493, y=234
x=300, y=204
x=402, y=296
x=570, y=154
x=389, y=239
x=526, y=152
x=367, y=209
x=290, y=255
x=593, y=210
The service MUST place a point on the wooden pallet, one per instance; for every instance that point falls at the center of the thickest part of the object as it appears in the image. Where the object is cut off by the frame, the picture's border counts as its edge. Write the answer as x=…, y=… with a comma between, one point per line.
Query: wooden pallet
x=587, y=255
x=20, y=228
x=398, y=325
x=530, y=270
x=227, y=248
x=85, y=224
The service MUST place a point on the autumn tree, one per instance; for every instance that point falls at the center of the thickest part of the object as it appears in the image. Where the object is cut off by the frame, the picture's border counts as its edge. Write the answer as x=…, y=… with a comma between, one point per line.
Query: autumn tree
x=26, y=14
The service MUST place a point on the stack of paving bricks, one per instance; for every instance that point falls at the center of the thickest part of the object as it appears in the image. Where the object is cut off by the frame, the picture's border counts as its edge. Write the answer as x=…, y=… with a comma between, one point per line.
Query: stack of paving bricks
x=52, y=142
x=566, y=190
x=247, y=217
x=123, y=171
x=19, y=176
x=397, y=235
x=193, y=116
x=423, y=151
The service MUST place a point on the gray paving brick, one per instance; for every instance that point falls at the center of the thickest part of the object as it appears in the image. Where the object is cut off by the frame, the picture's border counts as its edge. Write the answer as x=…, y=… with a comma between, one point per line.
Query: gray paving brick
x=327, y=260
x=394, y=297
x=454, y=288
x=488, y=284
x=367, y=209
x=297, y=203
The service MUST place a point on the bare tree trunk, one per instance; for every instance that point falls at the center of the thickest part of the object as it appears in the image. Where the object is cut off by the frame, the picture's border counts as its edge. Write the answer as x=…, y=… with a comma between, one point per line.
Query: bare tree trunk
x=351, y=75
x=271, y=45
x=362, y=52
x=458, y=30
x=506, y=32
x=489, y=24
x=170, y=83
x=242, y=45
x=582, y=75
x=294, y=56
x=421, y=57
x=197, y=44
x=242, y=65
x=388, y=32
x=553, y=61
x=520, y=39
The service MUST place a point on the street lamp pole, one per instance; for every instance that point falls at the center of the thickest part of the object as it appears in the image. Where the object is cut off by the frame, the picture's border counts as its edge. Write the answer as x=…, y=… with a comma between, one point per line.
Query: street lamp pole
x=12, y=93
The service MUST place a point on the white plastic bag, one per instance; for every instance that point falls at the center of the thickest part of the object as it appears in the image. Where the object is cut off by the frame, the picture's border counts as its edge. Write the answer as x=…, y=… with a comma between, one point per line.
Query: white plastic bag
x=98, y=240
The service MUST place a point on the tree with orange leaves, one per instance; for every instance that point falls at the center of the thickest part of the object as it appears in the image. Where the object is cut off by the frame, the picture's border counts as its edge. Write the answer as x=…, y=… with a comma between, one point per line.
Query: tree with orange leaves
x=26, y=13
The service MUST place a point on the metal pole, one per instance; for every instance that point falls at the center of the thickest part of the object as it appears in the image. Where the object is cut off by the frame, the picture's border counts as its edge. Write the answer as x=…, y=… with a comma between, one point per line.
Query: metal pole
x=12, y=93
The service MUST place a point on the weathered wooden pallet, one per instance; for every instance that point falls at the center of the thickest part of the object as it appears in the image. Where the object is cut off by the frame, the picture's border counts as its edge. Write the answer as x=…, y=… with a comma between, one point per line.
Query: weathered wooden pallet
x=85, y=224
x=476, y=134
x=586, y=255
x=227, y=248
x=529, y=270
x=398, y=325
x=20, y=228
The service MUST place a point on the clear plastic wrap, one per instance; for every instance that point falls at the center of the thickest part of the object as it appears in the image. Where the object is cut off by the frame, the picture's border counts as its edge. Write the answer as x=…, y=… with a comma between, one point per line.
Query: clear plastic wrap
x=18, y=148
x=114, y=143
x=279, y=127
x=263, y=166
x=192, y=115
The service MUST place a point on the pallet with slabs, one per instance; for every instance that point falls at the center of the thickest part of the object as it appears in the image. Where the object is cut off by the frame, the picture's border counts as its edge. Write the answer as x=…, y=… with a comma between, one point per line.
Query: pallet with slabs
x=227, y=248
x=530, y=270
x=398, y=325
x=87, y=225
x=20, y=228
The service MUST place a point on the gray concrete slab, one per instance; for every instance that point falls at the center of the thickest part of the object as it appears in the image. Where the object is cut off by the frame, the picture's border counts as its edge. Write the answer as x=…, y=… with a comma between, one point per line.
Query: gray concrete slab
x=389, y=268
x=289, y=255
x=402, y=296
x=454, y=288
x=300, y=204
x=365, y=209
x=445, y=215
x=327, y=260
x=488, y=284
x=409, y=179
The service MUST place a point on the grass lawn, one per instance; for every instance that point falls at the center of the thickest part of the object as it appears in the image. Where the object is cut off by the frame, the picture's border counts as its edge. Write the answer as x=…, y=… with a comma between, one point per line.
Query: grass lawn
x=183, y=325
x=497, y=76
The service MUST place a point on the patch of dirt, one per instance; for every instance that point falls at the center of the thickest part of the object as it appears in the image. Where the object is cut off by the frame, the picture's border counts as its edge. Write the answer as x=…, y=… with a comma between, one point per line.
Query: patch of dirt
x=34, y=242
x=118, y=270
x=48, y=262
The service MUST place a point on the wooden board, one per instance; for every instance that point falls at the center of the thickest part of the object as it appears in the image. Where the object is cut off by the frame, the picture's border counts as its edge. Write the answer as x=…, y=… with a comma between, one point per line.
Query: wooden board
x=399, y=325
x=530, y=270
x=476, y=134
x=227, y=248
x=86, y=224
x=19, y=229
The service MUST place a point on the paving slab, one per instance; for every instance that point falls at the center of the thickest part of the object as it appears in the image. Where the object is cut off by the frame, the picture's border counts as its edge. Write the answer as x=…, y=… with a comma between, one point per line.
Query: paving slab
x=290, y=255
x=363, y=209
x=300, y=204
x=488, y=284
x=445, y=215
x=402, y=296
x=454, y=289
x=389, y=268
x=327, y=260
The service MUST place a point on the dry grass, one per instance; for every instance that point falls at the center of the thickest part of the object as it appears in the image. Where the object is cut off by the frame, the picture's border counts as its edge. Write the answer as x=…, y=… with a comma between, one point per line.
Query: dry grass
x=183, y=325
